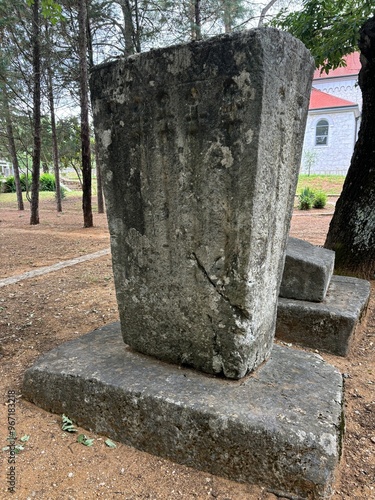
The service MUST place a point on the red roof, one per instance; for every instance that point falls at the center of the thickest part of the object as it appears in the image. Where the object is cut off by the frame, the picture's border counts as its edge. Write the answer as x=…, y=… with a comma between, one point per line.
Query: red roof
x=321, y=100
x=352, y=67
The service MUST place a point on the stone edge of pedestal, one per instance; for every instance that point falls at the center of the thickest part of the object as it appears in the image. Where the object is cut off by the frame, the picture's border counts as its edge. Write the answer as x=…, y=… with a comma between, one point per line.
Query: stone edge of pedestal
x=291, y=457
x=328, y=325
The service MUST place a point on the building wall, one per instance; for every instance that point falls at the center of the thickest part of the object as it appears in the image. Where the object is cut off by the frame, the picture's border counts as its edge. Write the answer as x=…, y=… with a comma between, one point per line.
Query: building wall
x=334, y=158
x=6, y=168
x=344, y=88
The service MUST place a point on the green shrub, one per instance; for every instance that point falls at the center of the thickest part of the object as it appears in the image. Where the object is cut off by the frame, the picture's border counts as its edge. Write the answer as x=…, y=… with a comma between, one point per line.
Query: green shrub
x=9, y=186
x=23, y=182
x=47, y=182
x=320, y=200
x=310, y=198
x=306, y=199
x=10, y=183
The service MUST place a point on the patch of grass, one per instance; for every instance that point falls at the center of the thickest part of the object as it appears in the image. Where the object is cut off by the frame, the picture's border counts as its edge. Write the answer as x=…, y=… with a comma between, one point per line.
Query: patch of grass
x=330, y=184
x=9, y=200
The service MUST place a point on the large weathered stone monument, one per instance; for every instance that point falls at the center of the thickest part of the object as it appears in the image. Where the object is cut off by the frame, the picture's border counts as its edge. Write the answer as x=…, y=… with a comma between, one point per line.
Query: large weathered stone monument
x=200, y=146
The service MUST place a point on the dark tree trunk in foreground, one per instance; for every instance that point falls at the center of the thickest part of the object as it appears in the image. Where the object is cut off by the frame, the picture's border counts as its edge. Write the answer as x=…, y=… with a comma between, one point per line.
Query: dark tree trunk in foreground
x=13, y=153
x=34, y=217
x=85, y=130
x=352, y=231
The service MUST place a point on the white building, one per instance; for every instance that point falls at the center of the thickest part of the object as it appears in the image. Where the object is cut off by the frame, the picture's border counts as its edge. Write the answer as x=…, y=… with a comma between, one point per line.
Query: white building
x=333, y=120
x=6, y=168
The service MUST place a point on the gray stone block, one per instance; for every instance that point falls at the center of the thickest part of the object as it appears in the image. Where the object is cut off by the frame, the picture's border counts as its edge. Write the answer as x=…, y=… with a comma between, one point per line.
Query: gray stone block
x=200, y=146
x=281, y=427
x=307, y=271
x=328, y=325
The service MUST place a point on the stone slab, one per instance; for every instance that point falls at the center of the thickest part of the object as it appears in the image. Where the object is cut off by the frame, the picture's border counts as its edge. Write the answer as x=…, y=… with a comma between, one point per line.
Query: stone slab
x=200, y=147
x=280, y=427
x=307, y=271
x=329, y=325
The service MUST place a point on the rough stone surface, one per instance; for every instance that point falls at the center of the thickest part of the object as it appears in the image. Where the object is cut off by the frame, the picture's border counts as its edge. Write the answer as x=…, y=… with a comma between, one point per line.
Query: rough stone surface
x=307, y=271
x=328, y=325
x=200, y=146
x=280, y=427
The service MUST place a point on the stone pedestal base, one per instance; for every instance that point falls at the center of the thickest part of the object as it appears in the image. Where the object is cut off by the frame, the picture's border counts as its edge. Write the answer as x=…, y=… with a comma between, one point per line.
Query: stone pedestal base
x=280, y=427
x=329, y=325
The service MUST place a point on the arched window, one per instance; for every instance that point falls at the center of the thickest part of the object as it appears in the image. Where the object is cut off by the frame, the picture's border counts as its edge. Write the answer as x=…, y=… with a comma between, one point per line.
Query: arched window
x=321, y=133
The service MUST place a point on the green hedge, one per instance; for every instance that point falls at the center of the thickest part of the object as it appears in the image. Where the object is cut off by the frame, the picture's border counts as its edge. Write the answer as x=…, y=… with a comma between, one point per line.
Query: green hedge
x=46, y=183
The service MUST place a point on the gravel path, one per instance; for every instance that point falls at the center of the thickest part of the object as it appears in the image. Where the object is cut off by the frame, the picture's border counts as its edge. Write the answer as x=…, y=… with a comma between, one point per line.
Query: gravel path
x=54, y=267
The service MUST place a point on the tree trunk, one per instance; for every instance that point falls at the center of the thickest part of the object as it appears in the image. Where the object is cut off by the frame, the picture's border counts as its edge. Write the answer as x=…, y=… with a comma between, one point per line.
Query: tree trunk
x=227, y=15
x=85, y=130
x=13, y=152
x=128, y=28
x=265, y=9
x=77, y=171
x=99, y=186
x=34, y=216
x=55, y=150
x=137, y=29
x=195, y=16
x=352, y=230
x=198, y=22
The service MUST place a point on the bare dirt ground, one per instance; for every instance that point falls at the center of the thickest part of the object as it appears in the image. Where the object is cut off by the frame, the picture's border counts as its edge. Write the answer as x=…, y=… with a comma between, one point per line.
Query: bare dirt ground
x=40, y=313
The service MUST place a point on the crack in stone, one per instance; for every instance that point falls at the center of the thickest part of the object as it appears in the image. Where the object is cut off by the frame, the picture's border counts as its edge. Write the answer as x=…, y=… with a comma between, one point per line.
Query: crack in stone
x=242, y=313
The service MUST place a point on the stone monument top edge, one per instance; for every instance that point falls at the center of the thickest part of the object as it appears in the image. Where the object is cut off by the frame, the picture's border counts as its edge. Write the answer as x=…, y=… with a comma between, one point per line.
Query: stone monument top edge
x=220, y=38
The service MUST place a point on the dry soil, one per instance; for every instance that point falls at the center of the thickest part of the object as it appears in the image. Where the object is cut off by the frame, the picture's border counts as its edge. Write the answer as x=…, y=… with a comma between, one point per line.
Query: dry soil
x=37, y=314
